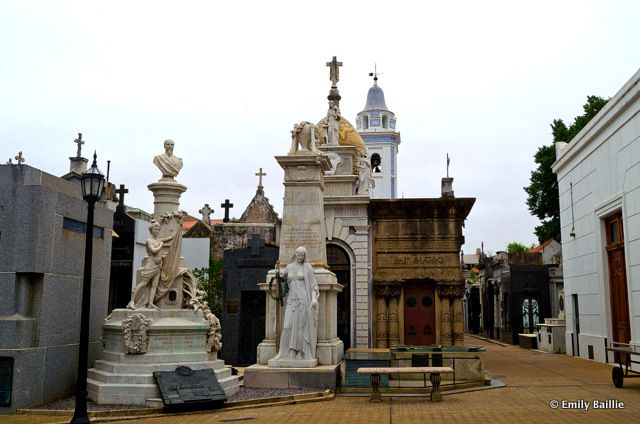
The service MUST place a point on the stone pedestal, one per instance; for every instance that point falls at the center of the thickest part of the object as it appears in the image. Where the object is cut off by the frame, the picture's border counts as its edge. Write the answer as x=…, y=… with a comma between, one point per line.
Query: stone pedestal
x=132, y=352
x=166, y=198
x=303, y=224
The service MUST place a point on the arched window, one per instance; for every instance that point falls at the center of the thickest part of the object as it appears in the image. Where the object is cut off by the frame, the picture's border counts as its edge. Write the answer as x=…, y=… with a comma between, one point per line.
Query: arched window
x=385, y=121
x=365, y=122
x=376, y=162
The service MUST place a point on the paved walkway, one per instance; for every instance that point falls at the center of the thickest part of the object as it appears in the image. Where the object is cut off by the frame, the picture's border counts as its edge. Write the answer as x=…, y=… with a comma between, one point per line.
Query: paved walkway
x=533, y=381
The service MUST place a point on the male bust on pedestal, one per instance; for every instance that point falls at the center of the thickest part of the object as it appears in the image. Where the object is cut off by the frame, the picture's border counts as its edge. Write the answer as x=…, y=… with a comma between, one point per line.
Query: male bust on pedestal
x=169, y=164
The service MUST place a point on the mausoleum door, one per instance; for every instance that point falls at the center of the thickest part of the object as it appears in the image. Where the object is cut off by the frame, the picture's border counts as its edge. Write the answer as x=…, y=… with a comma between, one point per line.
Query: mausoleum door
x=419, y=314
x=339, y=264
x=618, y=280
x=252, y=325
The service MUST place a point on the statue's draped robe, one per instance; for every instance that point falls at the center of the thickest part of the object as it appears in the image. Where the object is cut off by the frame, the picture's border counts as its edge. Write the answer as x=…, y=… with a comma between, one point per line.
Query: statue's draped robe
x=170, y=166
x=300, y=326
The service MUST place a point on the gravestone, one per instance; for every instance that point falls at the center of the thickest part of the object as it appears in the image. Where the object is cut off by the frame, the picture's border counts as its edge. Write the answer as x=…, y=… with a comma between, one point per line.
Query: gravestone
x=244, y=303
x=188, y=389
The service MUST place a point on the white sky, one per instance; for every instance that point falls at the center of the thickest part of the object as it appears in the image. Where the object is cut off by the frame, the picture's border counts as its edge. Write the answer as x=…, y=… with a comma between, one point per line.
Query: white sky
x=481, y=80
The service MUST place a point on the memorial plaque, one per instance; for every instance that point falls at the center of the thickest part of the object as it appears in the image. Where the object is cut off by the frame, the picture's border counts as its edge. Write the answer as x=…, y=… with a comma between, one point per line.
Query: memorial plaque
x=6, y=380
x=187, y=389
x=233, y=306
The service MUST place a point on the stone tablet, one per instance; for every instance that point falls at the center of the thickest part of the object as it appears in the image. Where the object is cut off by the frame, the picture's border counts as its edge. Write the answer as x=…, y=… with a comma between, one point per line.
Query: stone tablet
x=187, y=389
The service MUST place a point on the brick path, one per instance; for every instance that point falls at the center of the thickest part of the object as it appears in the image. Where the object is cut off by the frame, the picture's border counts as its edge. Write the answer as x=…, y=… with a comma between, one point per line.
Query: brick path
x=532, y=381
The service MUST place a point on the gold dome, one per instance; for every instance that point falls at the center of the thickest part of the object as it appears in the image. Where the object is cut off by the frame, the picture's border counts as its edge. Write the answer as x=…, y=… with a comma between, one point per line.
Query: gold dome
x=348, y=136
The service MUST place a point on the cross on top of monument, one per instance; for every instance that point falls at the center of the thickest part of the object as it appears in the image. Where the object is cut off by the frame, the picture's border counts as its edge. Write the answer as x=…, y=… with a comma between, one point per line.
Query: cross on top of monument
x=255, y=243
x=260, y=175
x=121, y=191
x=79, y=142
x=334, y=71
x=448, y=160
x=375, y=74
x=206, y=211
x=20, y=158
x=226, y=206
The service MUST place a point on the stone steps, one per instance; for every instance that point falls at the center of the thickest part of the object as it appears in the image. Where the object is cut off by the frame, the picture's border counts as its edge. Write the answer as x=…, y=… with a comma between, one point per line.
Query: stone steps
x=148, y=368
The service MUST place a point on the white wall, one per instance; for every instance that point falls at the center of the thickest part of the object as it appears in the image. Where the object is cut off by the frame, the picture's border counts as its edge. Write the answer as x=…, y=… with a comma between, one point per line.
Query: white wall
x=196, y=252
x=603, y=164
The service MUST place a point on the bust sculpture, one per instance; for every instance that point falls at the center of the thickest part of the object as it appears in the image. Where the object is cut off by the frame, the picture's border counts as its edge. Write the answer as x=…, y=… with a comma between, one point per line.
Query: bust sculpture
x=169, y=164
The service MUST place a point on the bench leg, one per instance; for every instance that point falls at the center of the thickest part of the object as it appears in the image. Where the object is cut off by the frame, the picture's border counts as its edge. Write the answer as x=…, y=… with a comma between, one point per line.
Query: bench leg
x=375, y=387
x=435, y=378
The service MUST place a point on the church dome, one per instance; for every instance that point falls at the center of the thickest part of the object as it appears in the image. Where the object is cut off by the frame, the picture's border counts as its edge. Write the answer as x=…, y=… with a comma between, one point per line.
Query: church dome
x=375, y=99
x=348, y=136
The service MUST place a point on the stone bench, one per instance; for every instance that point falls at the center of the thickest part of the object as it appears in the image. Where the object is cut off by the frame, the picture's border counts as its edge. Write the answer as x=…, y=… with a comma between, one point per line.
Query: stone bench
x=434, y=377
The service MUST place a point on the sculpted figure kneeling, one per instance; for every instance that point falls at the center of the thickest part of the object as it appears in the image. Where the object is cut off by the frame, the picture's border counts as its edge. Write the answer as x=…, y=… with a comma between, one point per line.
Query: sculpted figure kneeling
x=304, y=135
x=300, y=327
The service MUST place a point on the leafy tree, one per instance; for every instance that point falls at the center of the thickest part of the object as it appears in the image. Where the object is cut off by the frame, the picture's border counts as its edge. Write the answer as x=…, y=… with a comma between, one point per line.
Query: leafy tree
x=515, y=247
x=542, y=194
x=210, y=280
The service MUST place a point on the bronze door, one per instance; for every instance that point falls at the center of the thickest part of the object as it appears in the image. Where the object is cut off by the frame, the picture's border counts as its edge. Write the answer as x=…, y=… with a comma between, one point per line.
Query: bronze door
x=419, y=315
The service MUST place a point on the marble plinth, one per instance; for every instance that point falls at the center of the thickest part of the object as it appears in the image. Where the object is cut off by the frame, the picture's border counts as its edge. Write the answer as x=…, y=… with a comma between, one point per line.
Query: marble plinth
x=175, y=338
x=292, y=363
x=321, y=377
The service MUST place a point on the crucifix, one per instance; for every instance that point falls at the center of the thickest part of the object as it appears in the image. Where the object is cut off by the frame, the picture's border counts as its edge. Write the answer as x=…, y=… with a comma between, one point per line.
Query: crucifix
x=206, y=211
x=121, y=191
x=79, y=142
x=20, y=158
x=334, y=71
x=226, y=206
x=260, y=175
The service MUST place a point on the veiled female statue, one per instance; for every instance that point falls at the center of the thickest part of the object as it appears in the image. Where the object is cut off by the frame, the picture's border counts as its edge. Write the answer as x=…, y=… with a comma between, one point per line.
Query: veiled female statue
x=300, y=327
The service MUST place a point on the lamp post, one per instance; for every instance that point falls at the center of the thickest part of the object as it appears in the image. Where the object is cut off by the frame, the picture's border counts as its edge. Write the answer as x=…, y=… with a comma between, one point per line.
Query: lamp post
x=92, y=185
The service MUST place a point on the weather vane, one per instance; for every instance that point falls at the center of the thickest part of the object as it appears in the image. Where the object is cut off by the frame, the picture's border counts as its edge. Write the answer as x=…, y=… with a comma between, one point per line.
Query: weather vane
x=375, y=72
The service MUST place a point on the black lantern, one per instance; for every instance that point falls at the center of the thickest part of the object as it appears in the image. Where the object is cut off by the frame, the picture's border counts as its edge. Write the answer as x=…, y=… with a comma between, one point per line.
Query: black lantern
x=92, y=182
x=92, y=185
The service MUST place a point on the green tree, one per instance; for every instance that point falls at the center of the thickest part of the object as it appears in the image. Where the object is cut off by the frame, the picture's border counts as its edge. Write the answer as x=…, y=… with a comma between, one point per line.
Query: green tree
x=515, y=247
x=210, y=280
x=542, y=192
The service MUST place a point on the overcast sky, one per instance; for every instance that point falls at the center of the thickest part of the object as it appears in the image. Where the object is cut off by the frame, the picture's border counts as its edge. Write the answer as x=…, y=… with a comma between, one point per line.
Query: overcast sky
x=480, y=80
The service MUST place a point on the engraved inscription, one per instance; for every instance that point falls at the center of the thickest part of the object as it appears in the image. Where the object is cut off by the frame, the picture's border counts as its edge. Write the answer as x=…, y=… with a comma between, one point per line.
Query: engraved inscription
x=176, y=343
x=409, y=245
x=300, y=235
x=399, y=260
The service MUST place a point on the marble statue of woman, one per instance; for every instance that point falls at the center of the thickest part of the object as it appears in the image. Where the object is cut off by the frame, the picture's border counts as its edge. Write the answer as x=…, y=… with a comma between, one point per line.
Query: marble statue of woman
x=333, y=125
x=364, y=177
x=169, y=164
x=300, y=327
x=144, y=294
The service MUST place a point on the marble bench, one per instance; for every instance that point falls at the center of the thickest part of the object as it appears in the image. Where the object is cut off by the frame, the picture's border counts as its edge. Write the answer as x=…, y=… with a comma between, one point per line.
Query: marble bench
x=434, y=377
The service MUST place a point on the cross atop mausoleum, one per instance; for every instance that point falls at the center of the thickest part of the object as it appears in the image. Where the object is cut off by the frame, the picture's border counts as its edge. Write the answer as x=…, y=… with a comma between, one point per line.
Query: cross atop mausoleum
x=20, y=158
x=334, y=71
x=226, y=206
x=255, y=243
x=79, y=142
x=260, y=175
x=206, y=211
x=121, y=192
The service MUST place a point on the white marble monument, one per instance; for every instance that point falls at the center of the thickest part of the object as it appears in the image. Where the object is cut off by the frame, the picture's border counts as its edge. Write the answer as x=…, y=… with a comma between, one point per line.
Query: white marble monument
x=287, y=357
x=167, y=323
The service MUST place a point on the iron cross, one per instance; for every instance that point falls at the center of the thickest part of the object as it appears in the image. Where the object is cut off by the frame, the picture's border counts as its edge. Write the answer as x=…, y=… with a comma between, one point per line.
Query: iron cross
x=121, y=191
x=226, y=206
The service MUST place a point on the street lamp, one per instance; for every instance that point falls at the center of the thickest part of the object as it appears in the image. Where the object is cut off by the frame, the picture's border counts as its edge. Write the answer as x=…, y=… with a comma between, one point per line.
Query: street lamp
x=92, y=186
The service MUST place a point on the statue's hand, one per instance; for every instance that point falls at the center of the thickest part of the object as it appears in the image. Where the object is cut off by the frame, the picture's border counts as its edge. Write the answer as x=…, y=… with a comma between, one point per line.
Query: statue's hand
x=314, y=304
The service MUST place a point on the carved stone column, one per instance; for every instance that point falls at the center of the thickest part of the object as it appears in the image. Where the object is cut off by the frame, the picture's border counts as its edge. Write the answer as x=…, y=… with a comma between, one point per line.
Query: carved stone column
x=387, y=321
x=451, y=330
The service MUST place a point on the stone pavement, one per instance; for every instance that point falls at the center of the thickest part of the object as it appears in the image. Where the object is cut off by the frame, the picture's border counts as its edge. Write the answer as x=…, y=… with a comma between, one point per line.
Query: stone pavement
x=533, y=381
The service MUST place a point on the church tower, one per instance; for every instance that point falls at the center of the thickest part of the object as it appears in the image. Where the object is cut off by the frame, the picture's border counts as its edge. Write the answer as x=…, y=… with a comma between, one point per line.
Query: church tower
x=376, y=124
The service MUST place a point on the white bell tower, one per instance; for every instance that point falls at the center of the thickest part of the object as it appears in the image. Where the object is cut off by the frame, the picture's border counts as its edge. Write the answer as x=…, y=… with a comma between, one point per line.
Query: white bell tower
x=376, y=124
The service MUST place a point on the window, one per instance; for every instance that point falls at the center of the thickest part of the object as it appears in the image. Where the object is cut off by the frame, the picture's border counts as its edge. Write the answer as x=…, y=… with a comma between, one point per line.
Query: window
x=385, y=121
x=376, y=163
x=365, y=122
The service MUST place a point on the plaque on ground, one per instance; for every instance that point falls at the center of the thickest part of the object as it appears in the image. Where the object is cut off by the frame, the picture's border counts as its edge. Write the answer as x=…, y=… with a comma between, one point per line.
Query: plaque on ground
x=185, y=388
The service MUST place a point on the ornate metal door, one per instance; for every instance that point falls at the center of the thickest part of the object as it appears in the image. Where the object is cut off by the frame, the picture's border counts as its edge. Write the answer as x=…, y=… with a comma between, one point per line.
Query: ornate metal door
x=419, y=315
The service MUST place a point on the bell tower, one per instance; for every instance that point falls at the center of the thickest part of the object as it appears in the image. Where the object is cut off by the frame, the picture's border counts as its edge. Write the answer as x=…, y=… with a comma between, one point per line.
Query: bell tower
x=376, y=124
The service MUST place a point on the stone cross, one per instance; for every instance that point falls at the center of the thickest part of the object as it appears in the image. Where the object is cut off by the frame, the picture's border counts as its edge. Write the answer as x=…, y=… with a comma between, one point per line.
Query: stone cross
x=20, y=158
x=260, y=175
x=226, y=206
x=334, y=71
x=121, y=191
x=255, y=243
x=79, y=142
x=206, y=211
